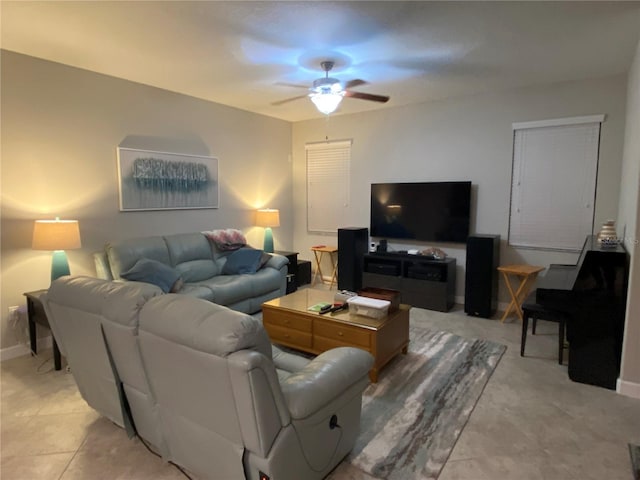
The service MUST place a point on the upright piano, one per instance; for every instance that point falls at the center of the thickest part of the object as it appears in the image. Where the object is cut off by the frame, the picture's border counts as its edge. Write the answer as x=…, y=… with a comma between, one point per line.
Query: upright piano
x=592, y=294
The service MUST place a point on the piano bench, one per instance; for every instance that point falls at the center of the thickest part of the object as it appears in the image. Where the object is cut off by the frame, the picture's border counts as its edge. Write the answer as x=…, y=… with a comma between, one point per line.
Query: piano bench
x=535, y=311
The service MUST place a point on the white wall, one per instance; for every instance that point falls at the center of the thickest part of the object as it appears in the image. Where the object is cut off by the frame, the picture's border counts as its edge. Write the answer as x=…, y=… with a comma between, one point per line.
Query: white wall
x=467, y=138
x=629, y=224
x=60, y=130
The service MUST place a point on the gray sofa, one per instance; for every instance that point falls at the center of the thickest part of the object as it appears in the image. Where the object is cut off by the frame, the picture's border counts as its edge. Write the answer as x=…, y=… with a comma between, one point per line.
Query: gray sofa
x=201, y=265
x=203, y=385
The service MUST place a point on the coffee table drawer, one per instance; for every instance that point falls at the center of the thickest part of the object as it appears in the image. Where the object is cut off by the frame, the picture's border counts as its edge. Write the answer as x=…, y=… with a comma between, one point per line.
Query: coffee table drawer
x=342, y=333
x=289, y=336
x=322, y=344
x=286, y=320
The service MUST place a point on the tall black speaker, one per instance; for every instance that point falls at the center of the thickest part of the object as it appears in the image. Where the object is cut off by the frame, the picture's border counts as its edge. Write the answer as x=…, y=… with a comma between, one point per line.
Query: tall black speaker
x=352, y=247
x=481, y=276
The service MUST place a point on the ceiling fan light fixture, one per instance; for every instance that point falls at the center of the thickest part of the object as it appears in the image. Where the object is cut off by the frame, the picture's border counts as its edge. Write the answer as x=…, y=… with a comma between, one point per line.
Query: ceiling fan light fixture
x=327, y=93
x=326, y=102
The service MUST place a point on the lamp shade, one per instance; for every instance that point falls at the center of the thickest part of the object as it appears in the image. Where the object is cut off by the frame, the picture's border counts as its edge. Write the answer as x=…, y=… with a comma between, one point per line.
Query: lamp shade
x=56, y=235
x=268, y=217
x=326, y=102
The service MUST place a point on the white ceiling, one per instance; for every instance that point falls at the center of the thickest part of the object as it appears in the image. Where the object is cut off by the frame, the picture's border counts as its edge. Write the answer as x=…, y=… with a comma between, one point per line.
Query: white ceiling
x=239, y=53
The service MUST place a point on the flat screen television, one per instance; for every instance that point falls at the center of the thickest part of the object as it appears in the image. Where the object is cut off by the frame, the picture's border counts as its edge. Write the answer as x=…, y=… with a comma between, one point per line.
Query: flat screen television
x=428, y=211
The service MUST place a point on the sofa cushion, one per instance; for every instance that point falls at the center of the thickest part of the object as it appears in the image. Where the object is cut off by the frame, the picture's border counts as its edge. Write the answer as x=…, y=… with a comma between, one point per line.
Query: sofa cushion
x=203, y=326
x=124, y=254
x=157, y=273
x=265, y=280
x=197, y=290
x=229, y=289
x=244, y=260
x=191, y=256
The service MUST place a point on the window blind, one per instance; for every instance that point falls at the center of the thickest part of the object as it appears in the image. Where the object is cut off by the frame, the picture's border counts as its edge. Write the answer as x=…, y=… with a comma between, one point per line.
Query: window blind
x=328, y=167
x=555, y=165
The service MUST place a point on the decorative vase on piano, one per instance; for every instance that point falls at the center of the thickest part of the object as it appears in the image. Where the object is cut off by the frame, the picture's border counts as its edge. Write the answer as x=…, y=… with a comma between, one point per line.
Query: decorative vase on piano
x=607, y=236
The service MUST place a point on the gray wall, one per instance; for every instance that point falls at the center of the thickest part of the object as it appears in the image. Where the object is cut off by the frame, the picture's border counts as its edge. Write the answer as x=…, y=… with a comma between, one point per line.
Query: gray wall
x=629, y=224
x=60, y=130
x=467, y=138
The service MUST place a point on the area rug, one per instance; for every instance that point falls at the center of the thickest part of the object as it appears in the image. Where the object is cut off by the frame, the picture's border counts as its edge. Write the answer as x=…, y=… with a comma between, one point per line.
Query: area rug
x=412, y=417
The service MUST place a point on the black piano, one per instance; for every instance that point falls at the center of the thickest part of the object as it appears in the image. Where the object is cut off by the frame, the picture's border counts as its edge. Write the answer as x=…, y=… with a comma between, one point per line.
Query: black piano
x=593, y=296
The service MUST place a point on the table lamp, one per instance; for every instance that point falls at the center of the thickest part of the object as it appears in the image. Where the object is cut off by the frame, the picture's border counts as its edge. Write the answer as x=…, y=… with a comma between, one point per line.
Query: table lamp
x=268, y=217
x=57, y=235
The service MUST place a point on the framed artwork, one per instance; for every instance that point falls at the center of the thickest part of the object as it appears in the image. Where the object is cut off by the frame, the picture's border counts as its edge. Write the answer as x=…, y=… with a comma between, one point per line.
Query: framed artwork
x=150, y=180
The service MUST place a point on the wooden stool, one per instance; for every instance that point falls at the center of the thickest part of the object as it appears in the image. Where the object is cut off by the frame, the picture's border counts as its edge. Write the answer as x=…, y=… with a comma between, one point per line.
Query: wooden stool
x=318, y=252
x=526, y=274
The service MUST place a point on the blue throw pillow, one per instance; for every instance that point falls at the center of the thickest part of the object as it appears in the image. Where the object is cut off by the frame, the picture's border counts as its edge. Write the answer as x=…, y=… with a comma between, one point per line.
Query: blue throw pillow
x=244, y=260
x=152, y=271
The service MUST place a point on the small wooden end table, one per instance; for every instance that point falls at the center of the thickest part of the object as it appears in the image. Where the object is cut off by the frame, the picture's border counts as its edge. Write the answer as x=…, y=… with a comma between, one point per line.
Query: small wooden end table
x=36, y=314
x=526, y=275
x=318, y=252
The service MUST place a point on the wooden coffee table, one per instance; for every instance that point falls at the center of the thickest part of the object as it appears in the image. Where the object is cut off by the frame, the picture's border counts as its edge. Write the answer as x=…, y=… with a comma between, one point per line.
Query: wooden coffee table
x=289, y=322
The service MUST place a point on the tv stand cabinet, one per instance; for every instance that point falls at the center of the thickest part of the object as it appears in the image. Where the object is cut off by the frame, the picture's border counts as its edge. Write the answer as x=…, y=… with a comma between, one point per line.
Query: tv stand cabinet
x=421, y=281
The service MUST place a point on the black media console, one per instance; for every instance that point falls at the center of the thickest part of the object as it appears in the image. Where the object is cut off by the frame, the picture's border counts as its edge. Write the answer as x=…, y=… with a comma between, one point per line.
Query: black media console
x=422, y=282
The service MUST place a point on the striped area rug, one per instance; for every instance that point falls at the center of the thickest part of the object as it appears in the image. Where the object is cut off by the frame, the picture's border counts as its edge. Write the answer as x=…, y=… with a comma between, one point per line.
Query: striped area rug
x=412, y=417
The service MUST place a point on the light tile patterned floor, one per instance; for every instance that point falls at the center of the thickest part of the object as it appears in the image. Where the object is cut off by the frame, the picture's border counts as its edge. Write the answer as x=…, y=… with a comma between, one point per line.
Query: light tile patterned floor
x=531, y=422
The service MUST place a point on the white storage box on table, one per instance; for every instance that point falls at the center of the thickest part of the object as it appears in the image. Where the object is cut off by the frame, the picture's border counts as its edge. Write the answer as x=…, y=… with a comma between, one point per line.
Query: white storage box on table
x=368, y=307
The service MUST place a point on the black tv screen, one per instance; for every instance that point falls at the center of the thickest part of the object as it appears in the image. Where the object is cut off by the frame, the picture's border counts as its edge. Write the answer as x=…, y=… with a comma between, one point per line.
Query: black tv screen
x=428, y=211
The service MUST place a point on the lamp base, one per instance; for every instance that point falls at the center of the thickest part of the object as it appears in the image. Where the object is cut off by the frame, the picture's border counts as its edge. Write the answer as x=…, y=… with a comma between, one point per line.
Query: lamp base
x=59, y=265
x=268, y=240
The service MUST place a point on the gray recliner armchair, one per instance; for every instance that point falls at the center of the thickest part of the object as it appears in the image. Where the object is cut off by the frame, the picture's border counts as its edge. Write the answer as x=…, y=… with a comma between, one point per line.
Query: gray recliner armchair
x=231, y=409
x=203, y=384
x=95, y=323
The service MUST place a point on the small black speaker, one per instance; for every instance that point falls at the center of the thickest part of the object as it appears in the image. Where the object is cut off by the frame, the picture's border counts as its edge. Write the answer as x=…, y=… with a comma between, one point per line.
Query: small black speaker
x=352, y=247
x=481, y=275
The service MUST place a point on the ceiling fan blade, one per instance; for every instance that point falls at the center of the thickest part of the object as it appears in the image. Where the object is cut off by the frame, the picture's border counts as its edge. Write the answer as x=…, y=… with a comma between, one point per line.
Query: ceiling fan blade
x=294, y=85
x=286, y=100
x=367, y=96
x=354, y=83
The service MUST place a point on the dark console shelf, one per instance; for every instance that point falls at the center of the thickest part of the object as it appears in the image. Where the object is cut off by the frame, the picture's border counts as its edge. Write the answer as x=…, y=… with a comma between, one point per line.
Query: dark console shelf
x=423, y=282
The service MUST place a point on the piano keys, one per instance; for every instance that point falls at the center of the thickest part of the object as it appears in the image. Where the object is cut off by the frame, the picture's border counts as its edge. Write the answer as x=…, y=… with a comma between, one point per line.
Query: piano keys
x=593, y=295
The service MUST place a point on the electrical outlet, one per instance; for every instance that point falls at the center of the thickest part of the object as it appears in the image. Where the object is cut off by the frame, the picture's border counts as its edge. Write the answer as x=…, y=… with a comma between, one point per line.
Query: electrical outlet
x=18, y=322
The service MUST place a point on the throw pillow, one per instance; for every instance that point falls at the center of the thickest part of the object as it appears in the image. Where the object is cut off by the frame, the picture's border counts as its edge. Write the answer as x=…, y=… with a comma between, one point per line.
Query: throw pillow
x=227, y=240
x=244, y=260
x=157, y=273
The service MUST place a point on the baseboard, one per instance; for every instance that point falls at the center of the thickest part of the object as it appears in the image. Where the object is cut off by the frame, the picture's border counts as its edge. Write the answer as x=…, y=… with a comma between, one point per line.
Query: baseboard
x=21, y=349
x=630, y=389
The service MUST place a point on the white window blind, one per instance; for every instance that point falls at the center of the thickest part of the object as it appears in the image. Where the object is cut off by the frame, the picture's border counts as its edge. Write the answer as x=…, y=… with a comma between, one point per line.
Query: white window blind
x=328, y=166
x=555, y=164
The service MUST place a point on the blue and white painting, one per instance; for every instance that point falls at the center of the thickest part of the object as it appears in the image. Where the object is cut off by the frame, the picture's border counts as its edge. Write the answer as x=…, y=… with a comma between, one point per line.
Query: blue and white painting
x=166, y=181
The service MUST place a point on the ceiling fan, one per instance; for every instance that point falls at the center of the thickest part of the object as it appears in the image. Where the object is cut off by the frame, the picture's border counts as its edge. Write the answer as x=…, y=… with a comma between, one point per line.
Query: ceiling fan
x=327, y=93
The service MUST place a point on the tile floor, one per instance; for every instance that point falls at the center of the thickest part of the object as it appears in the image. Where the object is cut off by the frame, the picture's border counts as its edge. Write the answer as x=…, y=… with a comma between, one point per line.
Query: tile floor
x=531, y=422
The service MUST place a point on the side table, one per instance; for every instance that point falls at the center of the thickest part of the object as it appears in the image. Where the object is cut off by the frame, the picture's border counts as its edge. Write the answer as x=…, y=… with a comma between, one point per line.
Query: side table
x=318, y=252
x=527, y=276
x=36, y=314
x=292, y=270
